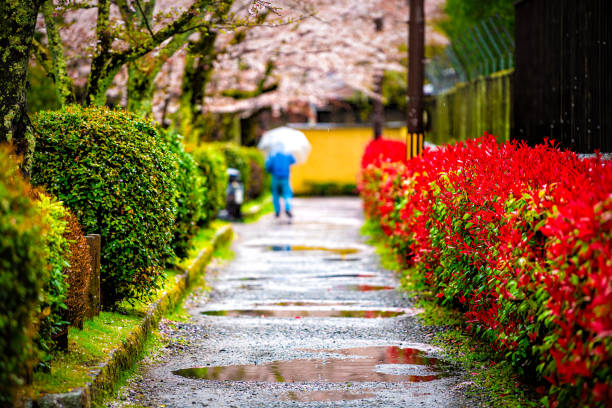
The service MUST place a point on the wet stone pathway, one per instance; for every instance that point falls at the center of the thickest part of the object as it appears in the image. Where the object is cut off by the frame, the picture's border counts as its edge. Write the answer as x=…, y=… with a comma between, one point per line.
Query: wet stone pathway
x=303, y=316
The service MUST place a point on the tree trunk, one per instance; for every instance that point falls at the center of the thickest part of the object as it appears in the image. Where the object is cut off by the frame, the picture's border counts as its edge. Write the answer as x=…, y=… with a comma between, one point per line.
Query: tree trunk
x=142, y=74
x=140, y=89
x=99, y=74
x=17, y=23
x=198, y=69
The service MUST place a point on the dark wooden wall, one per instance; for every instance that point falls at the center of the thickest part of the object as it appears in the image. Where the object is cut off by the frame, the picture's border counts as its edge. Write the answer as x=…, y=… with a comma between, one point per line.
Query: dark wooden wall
x=563, y=76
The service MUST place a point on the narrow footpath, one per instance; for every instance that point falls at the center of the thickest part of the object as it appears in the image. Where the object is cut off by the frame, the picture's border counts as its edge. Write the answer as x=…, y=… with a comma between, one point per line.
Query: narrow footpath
x=303, y=316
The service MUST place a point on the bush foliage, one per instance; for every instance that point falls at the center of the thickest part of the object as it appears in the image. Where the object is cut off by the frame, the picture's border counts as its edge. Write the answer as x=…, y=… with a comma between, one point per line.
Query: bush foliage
x=235, y=157
x=52, y=313
x=213, y=167
x=117, y=175
x=22, y=271
x=520, y=239
x=192, y=194
x=260, y=179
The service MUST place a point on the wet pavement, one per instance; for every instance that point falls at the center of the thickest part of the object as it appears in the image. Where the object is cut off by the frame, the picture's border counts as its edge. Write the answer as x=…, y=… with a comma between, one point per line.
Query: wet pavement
x=303, y=316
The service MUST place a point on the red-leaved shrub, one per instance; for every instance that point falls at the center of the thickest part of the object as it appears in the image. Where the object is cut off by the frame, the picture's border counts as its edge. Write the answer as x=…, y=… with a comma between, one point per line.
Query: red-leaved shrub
x=520, y=239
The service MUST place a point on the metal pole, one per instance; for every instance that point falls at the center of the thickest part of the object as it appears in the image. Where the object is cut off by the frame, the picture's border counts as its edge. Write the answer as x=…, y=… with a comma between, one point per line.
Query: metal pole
x=416, y=56
x=378, y=115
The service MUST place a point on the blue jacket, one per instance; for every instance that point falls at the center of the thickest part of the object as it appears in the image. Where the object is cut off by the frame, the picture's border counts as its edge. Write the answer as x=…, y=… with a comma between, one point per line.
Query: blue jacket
x=278, y=164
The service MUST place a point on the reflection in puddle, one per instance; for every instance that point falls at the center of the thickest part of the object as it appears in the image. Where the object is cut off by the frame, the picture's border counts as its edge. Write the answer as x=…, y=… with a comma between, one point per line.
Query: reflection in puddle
x=361, y=364
x=288, y=312
x=362, y=288
x=335, y=395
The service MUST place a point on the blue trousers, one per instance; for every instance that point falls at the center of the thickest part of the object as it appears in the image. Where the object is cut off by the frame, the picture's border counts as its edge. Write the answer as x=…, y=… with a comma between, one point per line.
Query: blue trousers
x=281, y=187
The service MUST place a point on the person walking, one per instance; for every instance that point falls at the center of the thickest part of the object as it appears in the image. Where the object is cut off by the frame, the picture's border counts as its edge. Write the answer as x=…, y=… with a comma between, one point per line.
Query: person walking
x=279, y=165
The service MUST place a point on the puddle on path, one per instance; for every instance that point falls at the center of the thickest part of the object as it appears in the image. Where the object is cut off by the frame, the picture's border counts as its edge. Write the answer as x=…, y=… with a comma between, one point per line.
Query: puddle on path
x=363, y=364
x=342, y=259
x=343, y=252
x=283, y=278
x=334, y=395
x=306, y=303
x=297, y=313
x=362, y=288
x=347, y=275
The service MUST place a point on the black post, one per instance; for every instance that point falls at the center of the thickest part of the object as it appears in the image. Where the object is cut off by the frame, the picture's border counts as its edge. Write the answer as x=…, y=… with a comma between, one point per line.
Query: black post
x=378, y=115
x=416, y=57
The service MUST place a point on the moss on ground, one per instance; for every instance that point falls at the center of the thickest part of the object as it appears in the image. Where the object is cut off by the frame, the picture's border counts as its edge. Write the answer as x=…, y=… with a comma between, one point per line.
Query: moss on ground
x=490, y=378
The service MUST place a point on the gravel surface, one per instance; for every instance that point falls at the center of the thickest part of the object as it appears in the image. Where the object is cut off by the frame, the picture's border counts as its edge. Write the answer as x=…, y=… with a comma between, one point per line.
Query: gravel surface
x=274, y=349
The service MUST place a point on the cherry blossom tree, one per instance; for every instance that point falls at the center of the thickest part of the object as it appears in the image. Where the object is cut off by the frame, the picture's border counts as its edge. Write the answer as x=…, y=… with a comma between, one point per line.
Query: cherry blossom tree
x=124, y=31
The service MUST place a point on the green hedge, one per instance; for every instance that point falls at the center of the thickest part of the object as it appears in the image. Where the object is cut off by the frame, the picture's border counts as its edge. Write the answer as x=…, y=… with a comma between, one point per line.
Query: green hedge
x=213, y=167
x=192, y=195
x=22, y=271
x=260, y=179
x=55, y=287
x=236, y=158
x=117, y=175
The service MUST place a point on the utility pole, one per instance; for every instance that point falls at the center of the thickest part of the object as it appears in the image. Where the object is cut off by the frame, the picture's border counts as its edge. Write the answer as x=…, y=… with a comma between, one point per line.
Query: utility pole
x=378, y=114
x=416, y=57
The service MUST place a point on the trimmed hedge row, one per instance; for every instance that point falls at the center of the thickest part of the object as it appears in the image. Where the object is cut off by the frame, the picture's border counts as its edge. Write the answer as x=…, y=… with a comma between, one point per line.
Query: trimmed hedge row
x=520, y=239
x=212, y=166
x=121, y=177
x=137, y=187
x=117, y=175
x=43, y=283
x=192, y=195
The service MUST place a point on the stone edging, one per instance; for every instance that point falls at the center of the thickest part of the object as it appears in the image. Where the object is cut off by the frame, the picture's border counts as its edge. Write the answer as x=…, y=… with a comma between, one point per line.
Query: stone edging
x=129, y=351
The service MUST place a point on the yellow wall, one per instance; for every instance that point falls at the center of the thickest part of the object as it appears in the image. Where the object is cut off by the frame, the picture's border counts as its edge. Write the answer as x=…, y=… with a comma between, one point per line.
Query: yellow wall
x=336, y=154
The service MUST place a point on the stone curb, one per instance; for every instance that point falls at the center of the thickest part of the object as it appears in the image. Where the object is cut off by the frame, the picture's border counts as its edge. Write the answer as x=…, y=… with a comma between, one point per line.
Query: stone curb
x=122, y=358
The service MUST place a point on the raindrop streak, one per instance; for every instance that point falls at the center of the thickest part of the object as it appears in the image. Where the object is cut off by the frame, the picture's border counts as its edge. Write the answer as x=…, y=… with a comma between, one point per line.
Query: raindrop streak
x=367, y=365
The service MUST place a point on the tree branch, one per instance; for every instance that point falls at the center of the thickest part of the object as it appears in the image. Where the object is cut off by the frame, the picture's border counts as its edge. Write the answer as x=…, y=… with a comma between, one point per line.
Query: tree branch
x=63, y=83
x=145, y=19
x=40, y=52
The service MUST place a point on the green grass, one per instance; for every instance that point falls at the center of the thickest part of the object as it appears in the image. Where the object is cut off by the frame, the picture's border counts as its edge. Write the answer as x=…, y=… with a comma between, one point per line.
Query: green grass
x=87, y=349
x=201, y=241
x=265, y=201
x=494, y=379
x=224, y=253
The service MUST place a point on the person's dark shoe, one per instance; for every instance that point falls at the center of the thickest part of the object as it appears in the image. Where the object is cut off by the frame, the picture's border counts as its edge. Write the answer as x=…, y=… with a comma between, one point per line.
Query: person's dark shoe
x=289, y=214
x=276, y=215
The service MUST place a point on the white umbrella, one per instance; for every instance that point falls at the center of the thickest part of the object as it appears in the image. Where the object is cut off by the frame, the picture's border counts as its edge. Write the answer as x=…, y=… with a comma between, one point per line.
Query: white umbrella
x=287, y=140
